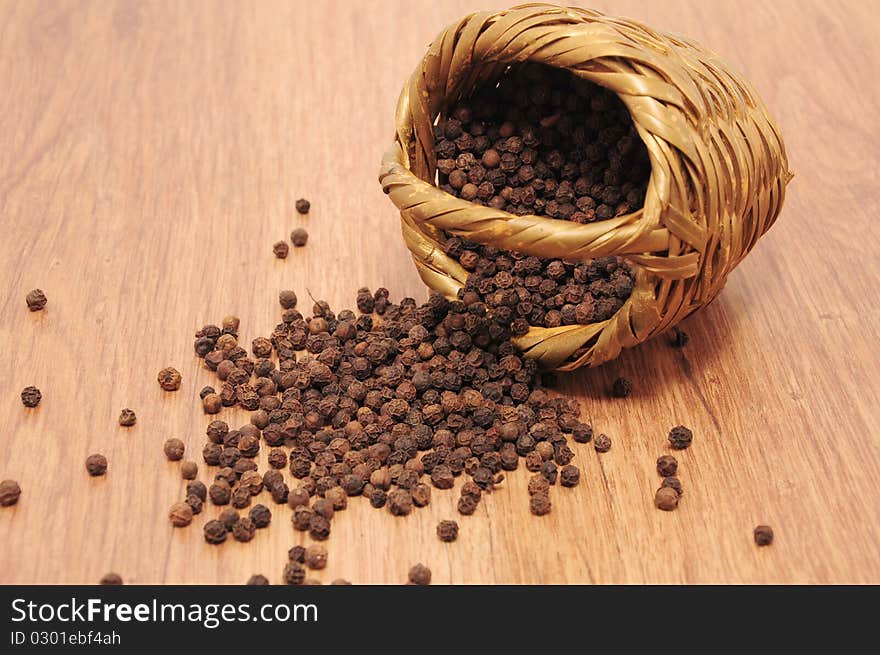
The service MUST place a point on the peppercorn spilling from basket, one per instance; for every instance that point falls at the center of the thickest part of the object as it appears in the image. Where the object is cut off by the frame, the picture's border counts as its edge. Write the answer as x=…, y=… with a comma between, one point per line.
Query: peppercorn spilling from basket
x=542, y=141
x=385, y=404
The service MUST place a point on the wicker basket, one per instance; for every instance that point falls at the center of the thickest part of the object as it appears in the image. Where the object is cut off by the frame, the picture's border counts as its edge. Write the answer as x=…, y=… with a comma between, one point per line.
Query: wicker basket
x=718, y=168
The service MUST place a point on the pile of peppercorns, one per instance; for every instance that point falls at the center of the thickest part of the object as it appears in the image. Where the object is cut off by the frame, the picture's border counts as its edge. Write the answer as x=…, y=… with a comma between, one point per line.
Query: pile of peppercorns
x=542, y=141
x=387, y=403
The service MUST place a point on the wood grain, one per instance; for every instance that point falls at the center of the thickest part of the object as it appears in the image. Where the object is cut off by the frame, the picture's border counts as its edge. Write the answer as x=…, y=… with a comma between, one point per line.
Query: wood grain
x=151, y=153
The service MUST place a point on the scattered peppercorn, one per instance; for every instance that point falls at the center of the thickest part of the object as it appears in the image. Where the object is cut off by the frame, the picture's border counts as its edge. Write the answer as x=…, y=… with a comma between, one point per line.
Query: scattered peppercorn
x=111, y=579
x=570, y=476
x=215, y=532
x=36, y=300
x=189, y=470
x=180, y=515
x=9, y=493
x=260, y=515
x=174, y=449
x=169, y=379
x=299, y=237
x=667, y=465
x=666, y=499
x=316, y=557
x=127, y=418
x=602, y=443
x=287, y=299
x=680, y=437
x=294, y=573
x=243, y=530
x=763, y=535
x=673, y=483
x=303, y=206
x=621, y=388
x=31, y=396
x=539, y=504
x=281, y=249
x=96, y=464
x=258, y=579
x=447, y=530
x=419, y=575
x=212, y=403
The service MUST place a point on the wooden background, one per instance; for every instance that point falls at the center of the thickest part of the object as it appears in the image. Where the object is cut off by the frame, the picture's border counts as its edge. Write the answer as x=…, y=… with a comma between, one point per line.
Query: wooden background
x=151, y=153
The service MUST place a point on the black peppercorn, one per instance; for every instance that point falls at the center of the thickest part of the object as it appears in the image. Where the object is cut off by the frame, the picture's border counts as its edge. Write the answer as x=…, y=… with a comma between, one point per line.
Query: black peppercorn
x=316, y=557
x=258, y=580
x=174, y=449
x=419, y=575
x=169, y=379
x=299, y=237
x=570, y=476
x=31, y=396
x=281, y=249
x=447, y=530
x=127, y=418
x=112, y=579
x=9, y=493
x=96, y=465
x=244, y=529
x=303, y=206
x=35, y=300
x=667, y=465
x=666, y=499
x=602, y=443
x=621, y=388
x=680, y=437
x=215, y=532
x=763, y=535
x=260, y=515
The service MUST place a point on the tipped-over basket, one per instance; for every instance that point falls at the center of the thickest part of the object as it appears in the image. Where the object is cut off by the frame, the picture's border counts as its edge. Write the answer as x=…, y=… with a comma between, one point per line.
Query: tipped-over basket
x=717, y=183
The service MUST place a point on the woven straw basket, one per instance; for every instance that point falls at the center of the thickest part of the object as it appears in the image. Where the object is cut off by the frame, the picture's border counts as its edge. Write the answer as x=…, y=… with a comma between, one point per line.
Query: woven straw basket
x=718, y=168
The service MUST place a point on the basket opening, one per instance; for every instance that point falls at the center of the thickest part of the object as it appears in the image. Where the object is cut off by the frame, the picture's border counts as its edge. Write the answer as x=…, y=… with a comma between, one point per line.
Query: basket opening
x=539, y=140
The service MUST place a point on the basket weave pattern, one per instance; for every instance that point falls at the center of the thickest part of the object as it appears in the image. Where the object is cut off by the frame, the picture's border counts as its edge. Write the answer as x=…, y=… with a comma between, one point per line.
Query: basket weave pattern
x=718, y=168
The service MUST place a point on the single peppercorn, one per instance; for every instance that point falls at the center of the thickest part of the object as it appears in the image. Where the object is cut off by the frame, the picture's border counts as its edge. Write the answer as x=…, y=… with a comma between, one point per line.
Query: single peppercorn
x=447, y=530
x=303, y=206
x=582, y=432
x=127, y=418
x=602, y=443
x=569, y=476
x=340, y=581
x=287, y=299
x=467, y=505
x=260, y=515
x=680, y=437
x=621, y=388
x=111, y=579
x=243, y=530
x=419, y=575
x=36, y=300
x=281, y=249
x=169, y=379
x=189, y=470
x=258, y=579
x=31, y=396
x=299, y=237
x=212, y=403
x=174, y=449
x=9, y=493
x=195, y=503
x=763, y=535
x=220, y=492
x=197, y=488
x=319, y=527
x=539, y=504
x=400, y=502
x=96, y=464
x=294, y=573
x=667, y=465
x=180, y=515
x=215, y=532
x=666, y=499
x=673, y=483
x=316, y=557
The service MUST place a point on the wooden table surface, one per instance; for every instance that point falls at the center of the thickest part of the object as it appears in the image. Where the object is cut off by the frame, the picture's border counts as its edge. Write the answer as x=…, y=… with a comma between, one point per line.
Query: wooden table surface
x=151, y=153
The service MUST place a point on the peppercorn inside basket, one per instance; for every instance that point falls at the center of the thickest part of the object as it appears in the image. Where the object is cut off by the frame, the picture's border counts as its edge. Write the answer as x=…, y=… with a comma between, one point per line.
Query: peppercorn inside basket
x=695, y=173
